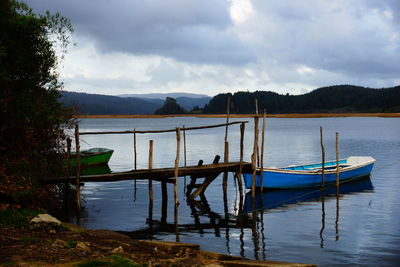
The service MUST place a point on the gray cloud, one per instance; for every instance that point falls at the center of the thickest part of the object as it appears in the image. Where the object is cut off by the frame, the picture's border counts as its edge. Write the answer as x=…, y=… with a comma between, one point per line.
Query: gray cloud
x=187, y=30
x=351, y=37
x=193, y=45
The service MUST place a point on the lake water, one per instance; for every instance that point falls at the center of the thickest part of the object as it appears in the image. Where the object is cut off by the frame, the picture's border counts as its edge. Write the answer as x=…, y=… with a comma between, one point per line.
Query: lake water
x=359, y=226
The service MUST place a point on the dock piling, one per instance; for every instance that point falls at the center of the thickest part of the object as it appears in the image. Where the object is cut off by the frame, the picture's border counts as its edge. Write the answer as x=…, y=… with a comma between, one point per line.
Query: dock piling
x=226, y=159
x=323, y=157
x=226, y=145
x=134, y=149
x=184, y=145
x=176, y=171
x=337, y=160
x=258, y=151
x=262, y=152
x=78, y=171
x=254, y=158
x=150, y=181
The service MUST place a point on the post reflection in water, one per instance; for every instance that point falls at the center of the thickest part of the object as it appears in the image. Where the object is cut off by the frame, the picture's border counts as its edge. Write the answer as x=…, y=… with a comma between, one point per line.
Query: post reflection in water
x=322, y=219
x=255, y=233
x=252, y=217
x=337, y=215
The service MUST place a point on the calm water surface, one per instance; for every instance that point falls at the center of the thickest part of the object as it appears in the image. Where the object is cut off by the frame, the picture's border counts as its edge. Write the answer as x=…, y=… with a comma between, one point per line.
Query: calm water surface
x=359, y=226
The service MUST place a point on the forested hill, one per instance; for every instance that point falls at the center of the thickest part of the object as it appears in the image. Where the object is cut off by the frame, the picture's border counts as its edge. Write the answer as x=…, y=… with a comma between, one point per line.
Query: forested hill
x=332, y=99
x=92, y=104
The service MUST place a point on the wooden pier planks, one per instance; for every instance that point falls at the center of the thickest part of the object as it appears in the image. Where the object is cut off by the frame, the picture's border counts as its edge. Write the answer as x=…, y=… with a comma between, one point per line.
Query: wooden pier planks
x=156, y=173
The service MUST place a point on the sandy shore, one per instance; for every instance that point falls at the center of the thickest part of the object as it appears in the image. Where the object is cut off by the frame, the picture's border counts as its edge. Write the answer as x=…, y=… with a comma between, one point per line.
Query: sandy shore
x=293, y=115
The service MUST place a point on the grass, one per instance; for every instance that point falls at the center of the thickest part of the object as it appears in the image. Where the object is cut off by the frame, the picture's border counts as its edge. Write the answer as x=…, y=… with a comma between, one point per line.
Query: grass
x=71, y=243
x=113, y=261
x=28, y=240
x=8, y=263
x=16, y=217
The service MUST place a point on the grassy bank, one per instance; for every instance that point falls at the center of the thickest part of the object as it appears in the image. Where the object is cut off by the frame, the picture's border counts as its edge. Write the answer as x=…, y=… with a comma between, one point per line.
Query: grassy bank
x=293, y=115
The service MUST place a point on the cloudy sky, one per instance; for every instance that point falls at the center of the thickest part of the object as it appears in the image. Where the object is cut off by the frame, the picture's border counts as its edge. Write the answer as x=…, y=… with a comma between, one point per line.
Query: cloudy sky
x=215, y=46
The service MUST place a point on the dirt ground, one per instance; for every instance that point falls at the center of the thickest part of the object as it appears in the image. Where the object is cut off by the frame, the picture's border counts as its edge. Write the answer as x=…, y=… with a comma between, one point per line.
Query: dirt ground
x=66, y=247
x=70, y=245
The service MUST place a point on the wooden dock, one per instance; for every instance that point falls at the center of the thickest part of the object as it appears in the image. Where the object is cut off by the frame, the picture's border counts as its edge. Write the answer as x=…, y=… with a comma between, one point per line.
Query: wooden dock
x=201, y=176
x=160, y=174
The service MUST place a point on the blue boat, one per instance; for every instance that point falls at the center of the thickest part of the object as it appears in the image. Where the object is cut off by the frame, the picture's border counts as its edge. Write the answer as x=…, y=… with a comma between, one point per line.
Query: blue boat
x=273, y=199
x=310, y=175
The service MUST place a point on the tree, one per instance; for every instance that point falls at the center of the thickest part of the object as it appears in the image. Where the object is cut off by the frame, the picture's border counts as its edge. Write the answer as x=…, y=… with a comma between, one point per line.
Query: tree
x=32, y=119
x=170, y=107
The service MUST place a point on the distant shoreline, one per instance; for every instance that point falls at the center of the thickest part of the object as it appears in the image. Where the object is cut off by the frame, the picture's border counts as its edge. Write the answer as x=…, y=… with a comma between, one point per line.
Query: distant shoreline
x=293, y=115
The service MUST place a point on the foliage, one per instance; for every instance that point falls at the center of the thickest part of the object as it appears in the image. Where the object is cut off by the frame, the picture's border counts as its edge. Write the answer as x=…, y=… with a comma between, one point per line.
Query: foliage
x=33, y=120
x=71, y=243
x=16, y=217
x=332, y=99
x=170, y=107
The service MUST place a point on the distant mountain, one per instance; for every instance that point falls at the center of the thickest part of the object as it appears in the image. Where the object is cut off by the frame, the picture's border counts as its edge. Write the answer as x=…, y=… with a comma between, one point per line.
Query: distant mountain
x=165, y=95
x=93, y=104
x=331, y=99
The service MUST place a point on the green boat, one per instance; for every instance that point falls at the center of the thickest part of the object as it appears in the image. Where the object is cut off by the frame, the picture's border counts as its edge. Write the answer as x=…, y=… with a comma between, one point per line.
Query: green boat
x=91, y=157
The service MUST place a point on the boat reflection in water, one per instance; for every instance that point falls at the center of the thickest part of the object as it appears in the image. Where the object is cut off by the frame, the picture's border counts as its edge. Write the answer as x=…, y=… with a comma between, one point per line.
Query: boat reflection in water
x=280, y=198
x=95, y=170
x=91, y=170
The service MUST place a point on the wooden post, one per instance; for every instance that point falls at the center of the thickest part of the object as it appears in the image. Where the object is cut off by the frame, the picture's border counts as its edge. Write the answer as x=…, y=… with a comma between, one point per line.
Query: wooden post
x=228, y=106
x=258, y=152
x=134, y=150
x=150, y=181
x=135, y=163
x=226, y=147
x=69, y=141
x=323, y=157
x=242, y=128
x=226, y=152
x=184, y=144
x=262, y=152
x=66, y=186
x=78, y=170
x=239, y=176
x=176, y=171
x=337, y=160
x=226, y=159
x=254, y=158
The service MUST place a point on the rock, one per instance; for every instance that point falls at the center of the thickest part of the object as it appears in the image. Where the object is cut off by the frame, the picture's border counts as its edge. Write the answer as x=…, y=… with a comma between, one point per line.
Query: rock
x=83, y=246
x=45, y=219
x=119, y=249
x=59, y=244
